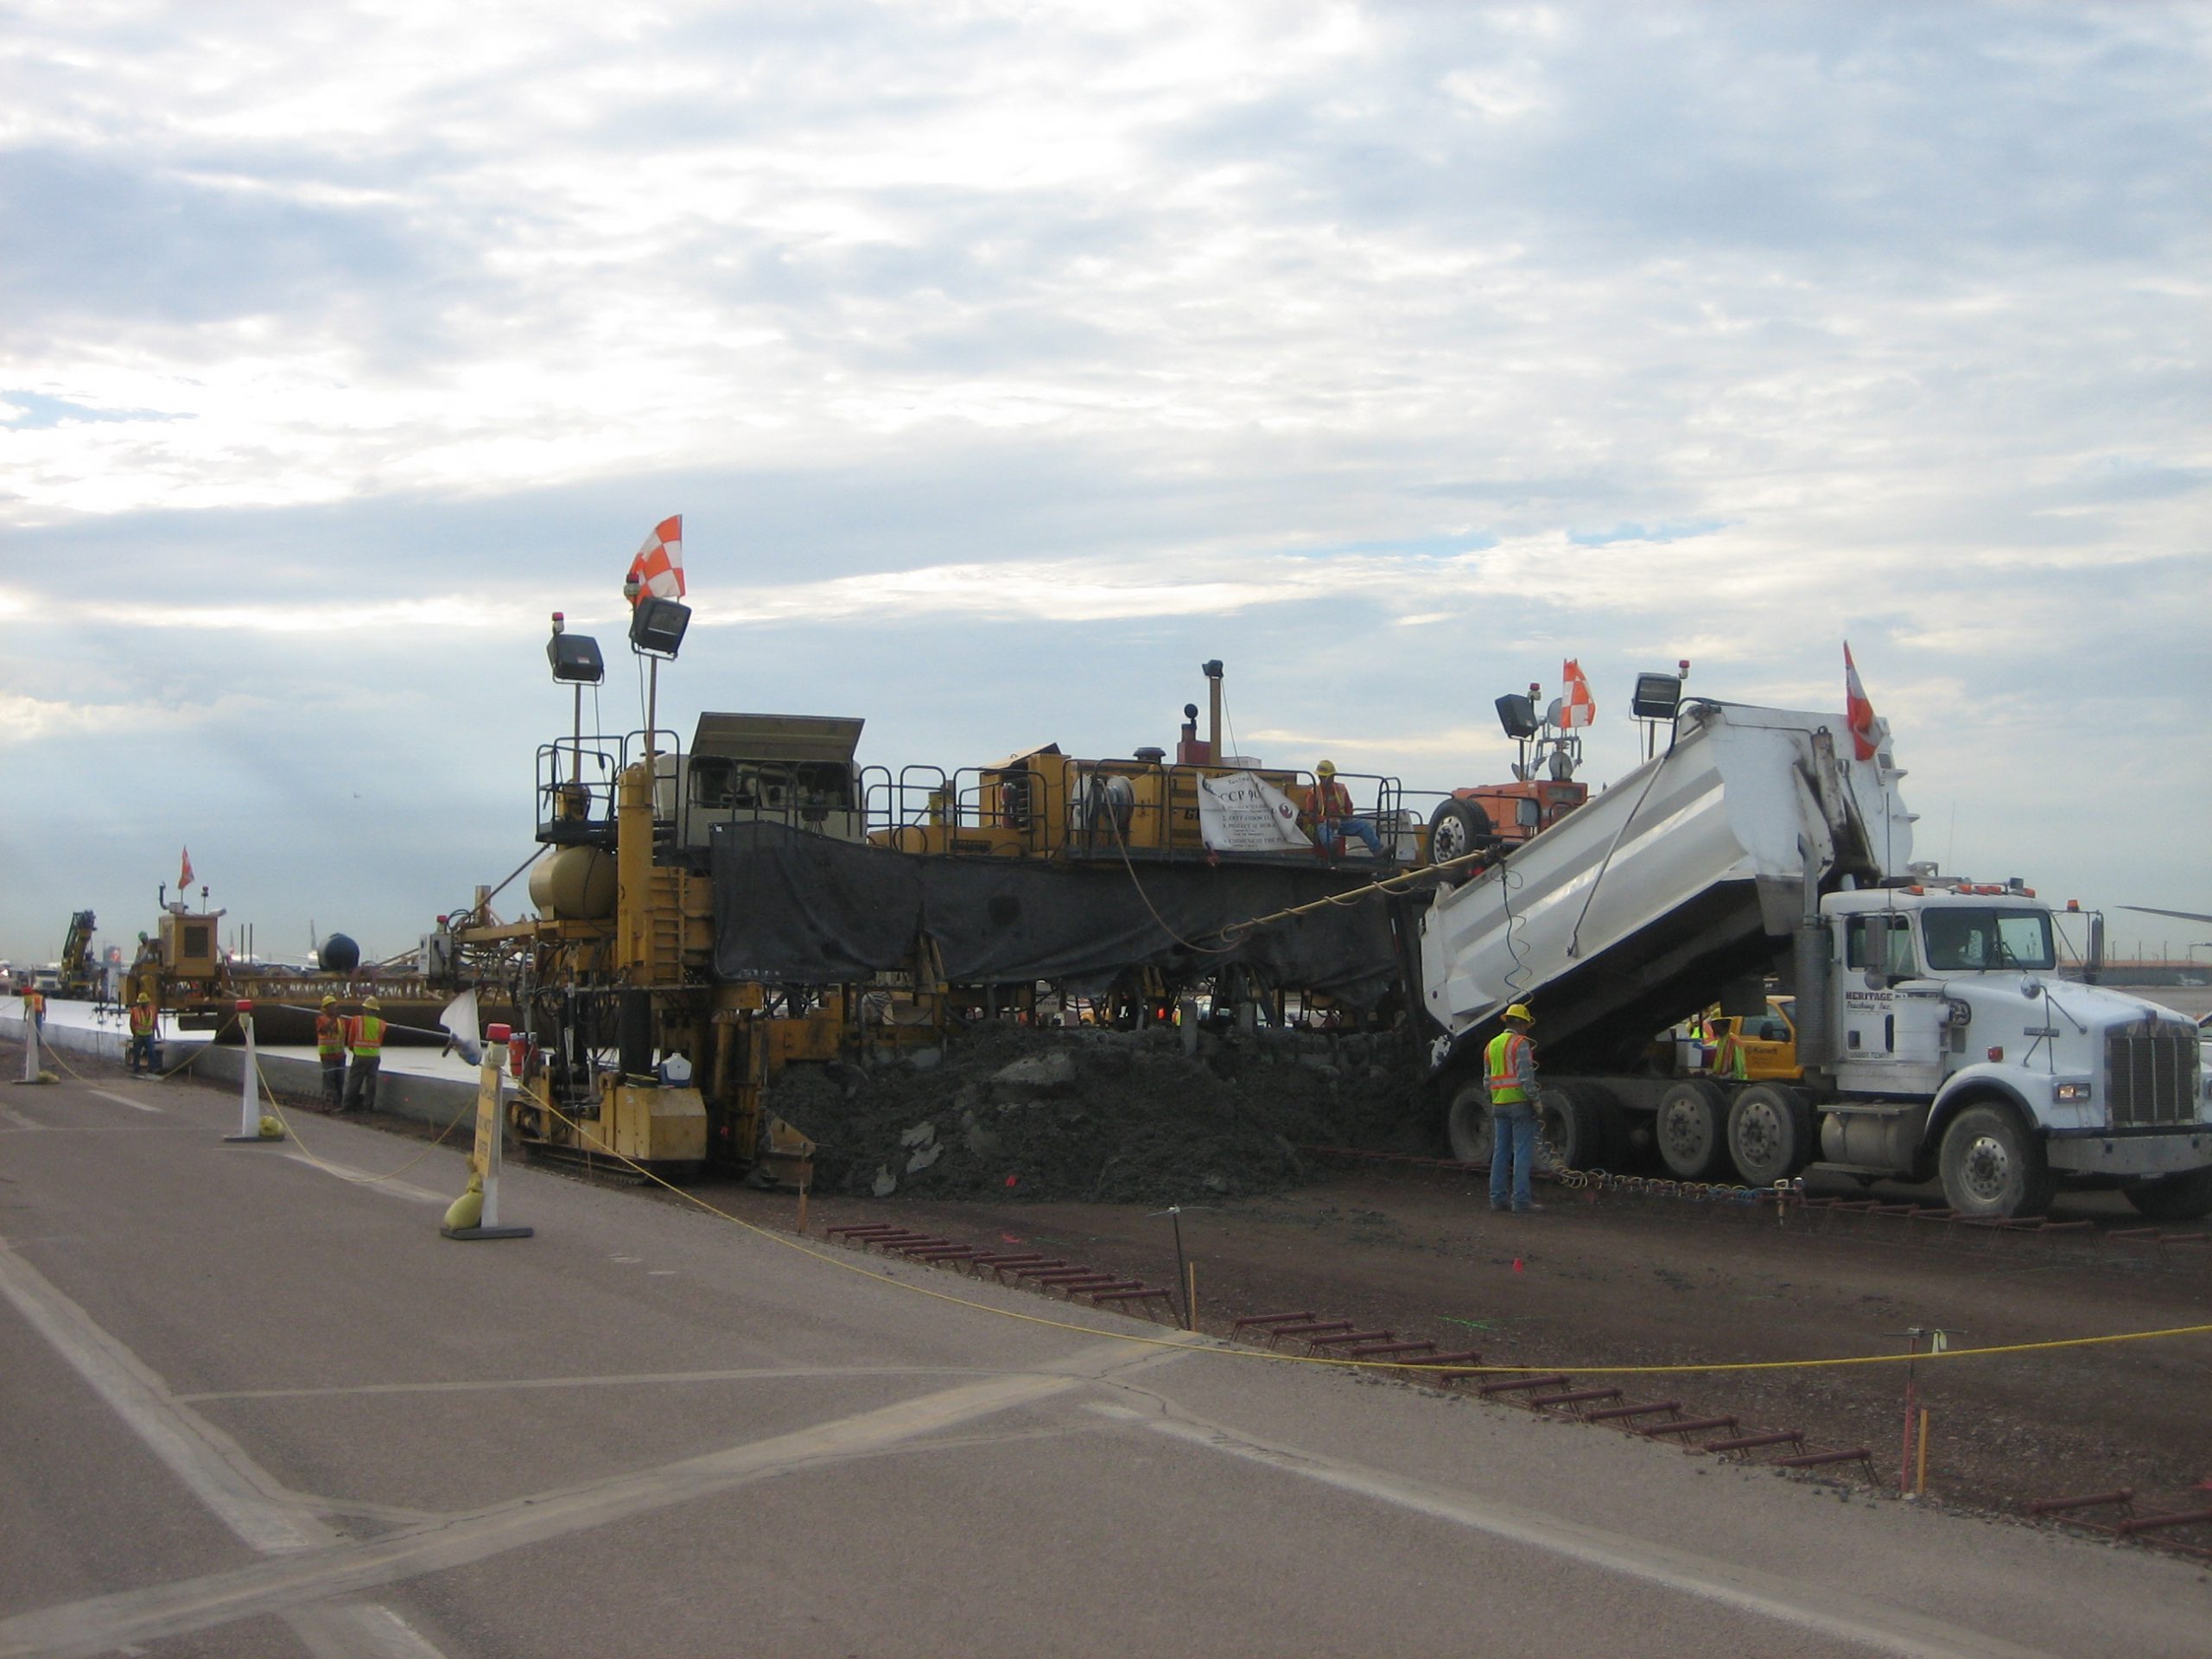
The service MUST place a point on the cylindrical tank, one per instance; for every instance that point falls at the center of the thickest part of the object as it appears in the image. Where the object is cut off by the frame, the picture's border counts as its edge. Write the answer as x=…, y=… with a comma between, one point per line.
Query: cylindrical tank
x=338, y=955
x=577, y=884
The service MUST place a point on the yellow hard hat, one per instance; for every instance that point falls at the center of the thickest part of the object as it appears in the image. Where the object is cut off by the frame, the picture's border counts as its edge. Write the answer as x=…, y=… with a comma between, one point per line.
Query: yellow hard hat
x=142, y=997
x=329, y=1001
x=371, y=1003
x=1520, y=1011
x=1326, y=769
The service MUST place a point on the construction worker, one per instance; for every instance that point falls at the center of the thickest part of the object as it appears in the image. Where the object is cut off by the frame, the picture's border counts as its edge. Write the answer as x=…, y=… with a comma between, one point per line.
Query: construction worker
x=1509, y=1063
x=1327, y=807
x=145, y=1021
x=1729, y=1059
x=34, y=1006
x=330, y=1049
x=365, y=1045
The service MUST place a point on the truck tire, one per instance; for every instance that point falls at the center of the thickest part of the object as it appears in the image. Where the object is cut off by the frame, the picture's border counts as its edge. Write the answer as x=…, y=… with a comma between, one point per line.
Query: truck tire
x=1691, y=1130
x=1992, y=1167
x=2186, y=1197
x=1467, y=1123
x=1583, y=1125
x=1770, y=1134
x=1457, y=827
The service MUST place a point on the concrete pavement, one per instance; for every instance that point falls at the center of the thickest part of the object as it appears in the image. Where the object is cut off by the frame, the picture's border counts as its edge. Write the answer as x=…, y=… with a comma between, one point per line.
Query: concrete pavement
x=249, y=1407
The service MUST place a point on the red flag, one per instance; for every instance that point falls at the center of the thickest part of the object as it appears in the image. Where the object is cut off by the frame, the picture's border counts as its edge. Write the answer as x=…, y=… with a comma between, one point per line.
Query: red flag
x=1579, y=708
x=184, y=875
x=659, y=564
x=1857, y=712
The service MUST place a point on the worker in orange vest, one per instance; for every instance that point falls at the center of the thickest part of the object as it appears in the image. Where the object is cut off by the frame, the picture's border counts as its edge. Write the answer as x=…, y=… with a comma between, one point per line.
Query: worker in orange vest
x=145, y=1021
x=1509, y=1065
x=34, y=1006
x=330, y=1049
x=1328, y=808
x=1729, y=1059
x=364, y=1046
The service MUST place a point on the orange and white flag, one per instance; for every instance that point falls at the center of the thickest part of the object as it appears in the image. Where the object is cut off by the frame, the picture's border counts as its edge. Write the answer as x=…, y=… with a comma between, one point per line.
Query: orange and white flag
x=184, y=875
x=1579, y=707
x=1857, y=712
x=659, y=564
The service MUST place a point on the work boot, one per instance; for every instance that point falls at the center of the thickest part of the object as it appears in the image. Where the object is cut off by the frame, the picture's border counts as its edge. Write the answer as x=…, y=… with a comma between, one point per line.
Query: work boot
x=1527, y=1209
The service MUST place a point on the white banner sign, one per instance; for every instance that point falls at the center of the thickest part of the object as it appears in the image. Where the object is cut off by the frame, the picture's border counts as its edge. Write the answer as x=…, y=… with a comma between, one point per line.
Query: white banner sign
x=1242, y=814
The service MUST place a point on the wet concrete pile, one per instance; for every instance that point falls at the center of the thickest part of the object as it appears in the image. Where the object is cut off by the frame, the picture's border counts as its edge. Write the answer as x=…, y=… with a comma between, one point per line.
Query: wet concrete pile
x=1123, y=1117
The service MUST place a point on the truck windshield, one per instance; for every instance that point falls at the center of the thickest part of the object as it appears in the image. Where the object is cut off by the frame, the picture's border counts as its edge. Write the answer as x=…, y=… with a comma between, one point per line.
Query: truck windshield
x=1970, y=940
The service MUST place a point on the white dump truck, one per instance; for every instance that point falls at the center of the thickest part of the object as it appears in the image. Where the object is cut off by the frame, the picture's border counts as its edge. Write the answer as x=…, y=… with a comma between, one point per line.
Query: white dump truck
x=1934, y=1035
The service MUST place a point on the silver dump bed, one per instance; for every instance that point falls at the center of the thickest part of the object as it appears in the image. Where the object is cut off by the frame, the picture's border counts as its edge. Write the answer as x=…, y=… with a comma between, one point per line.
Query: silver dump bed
x=1632, y=913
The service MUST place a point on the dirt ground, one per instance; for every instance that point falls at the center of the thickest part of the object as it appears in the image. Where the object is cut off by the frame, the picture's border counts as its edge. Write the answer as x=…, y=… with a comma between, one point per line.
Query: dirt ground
x=1596, y=1282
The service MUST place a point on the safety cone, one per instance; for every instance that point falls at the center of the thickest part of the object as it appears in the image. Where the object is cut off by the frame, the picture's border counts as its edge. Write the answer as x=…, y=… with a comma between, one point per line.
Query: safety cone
x=475, y=1213
x=253, y=1126
x=33, y=1055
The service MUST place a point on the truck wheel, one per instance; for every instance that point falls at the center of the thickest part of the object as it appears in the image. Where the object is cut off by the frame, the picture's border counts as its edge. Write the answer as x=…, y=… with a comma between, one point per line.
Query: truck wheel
x=1455, y=829
x=1769, y=1133
x=2185, y=1197
x=1582, y=1125
x=1468, y=1125
x=1691, y=1129
x=1993, y=1168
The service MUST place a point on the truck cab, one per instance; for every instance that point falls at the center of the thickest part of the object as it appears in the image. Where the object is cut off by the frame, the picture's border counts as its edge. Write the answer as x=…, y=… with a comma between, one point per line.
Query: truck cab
x=1959, y=1052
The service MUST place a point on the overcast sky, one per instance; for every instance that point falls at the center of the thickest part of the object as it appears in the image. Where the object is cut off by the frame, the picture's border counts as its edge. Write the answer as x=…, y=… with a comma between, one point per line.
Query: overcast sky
x=1008, y=360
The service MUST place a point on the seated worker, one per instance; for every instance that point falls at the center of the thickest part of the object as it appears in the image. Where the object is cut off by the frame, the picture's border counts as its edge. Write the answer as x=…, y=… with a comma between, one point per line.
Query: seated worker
x=1327, y=809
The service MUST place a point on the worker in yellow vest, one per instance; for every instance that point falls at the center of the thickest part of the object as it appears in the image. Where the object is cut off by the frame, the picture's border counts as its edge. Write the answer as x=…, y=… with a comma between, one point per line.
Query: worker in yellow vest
x=1509, y=1064
x=364, y=1047
x=330, y=1049
x=145, y=1021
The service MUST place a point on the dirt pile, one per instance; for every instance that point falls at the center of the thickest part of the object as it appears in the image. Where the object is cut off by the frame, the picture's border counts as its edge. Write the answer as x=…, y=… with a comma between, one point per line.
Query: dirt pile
x=1123, y=1117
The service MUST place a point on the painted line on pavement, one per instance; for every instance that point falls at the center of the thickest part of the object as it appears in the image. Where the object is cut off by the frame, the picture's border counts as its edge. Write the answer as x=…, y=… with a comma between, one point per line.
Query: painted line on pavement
x=737, y=1374
x=370, y=1181
x=212, y=1467
x=1812, y=1608
x=282, y=1583
x=126, y=1100
x=209, y=1462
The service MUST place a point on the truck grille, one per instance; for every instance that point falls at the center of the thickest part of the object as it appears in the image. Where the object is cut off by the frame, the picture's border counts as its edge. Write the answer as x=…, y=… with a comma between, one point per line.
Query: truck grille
x=2154, y=1075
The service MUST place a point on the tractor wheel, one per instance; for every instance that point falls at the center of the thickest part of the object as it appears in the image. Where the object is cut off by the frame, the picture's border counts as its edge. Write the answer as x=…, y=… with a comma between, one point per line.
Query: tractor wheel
x=1691, y=1130
x=1468, y=1125
x=2186, y=1197
x=1770, y=1134
x=1457, y=827
x=1582, y=1126
x=1993, y=1168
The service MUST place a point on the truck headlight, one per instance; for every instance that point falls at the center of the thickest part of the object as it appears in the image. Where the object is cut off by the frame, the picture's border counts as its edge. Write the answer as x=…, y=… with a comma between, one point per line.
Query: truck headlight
x=2073, y=1090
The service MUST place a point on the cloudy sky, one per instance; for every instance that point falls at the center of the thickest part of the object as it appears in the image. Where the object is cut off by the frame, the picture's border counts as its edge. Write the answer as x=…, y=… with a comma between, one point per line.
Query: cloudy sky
x=1006, y=360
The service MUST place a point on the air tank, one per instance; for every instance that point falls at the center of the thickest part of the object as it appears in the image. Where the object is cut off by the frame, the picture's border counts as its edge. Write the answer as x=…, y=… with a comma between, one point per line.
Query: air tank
x=577, y=884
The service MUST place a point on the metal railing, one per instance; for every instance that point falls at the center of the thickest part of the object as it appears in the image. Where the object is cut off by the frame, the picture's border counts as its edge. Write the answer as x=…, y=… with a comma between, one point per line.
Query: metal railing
x=1105, y=809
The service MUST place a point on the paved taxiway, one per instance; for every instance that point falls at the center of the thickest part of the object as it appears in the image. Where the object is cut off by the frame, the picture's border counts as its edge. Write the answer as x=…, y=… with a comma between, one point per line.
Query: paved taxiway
x=251, y=1407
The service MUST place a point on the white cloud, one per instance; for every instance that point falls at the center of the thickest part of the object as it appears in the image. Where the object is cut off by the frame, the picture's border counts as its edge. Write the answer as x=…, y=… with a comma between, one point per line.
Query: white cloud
x=1395, y=351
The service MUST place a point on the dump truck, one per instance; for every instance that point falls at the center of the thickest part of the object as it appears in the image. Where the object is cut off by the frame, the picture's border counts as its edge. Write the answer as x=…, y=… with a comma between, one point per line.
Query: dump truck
x=1935, y=1036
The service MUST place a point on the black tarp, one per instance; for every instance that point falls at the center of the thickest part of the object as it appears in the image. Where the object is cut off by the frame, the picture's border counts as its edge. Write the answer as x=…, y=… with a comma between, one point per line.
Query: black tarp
x=800, y=909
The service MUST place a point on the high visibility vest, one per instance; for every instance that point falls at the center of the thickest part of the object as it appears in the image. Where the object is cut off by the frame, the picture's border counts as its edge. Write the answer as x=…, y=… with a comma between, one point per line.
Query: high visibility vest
x=364, y=1036
x=34, y=1003
x=330, y=1035
x=1503, y=1060
x=1328, y=801
x=142, y=1017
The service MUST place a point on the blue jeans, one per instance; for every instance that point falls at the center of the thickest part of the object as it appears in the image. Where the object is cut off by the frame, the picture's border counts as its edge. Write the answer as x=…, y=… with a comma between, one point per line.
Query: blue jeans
x=1512, y=1152
x=1330, y=833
